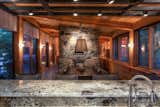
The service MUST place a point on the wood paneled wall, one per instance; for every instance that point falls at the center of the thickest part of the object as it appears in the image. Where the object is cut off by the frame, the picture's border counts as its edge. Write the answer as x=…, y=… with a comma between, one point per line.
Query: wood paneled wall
x=106, y=62
x=8, y=21
x=41, y=36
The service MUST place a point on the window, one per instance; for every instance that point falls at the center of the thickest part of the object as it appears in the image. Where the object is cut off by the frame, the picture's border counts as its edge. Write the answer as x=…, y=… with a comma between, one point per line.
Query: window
x=124, y=50
x=6, y=54
x=26, y=55
x=115, y=48
x=30, y=55
x=143, y=47
x=156, y=49
x=120, y=47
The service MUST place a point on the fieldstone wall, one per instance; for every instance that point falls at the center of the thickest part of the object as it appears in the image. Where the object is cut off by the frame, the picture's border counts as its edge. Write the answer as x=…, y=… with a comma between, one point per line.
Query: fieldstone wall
x=68, y=38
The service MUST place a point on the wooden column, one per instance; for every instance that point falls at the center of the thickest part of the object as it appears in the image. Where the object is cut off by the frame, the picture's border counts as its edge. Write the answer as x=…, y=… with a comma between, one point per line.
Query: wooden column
x=56, y=43
x=50, y=51
x=111, y=56
x=40, y=52
x=19, y=48
x=131, y=47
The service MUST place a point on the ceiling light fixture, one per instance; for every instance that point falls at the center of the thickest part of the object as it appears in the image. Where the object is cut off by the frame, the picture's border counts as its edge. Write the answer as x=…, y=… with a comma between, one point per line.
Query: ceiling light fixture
x=30, y=13
x=145, y=13
x=75, y=0
x=99, y=14
x=75, y=14
x=111, y=1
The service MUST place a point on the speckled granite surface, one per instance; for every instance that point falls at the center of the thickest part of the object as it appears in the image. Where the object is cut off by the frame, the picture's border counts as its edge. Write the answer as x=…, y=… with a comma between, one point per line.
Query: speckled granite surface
x=31, y=93
x=30, y=88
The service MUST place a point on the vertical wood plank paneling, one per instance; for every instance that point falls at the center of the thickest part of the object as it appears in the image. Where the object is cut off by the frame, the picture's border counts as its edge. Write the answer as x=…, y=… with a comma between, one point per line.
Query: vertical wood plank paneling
x=150, y=46
x=8, y=21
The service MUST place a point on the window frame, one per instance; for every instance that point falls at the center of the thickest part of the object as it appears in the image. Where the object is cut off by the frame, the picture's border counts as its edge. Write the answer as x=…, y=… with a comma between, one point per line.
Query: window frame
x=137, y=46
x=118, y=37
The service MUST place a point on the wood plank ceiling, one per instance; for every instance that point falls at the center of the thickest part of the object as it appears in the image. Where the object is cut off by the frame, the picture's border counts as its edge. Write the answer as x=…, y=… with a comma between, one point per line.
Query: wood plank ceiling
x=120, y=16
x=83, y=7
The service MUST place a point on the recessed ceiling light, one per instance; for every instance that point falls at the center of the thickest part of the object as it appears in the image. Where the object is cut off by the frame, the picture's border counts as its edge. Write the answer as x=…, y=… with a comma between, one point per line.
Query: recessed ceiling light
x=111, y=1
x=99, y=14
x=145, y=14
x=75, y=14
x=75, y=0
x=31, y=14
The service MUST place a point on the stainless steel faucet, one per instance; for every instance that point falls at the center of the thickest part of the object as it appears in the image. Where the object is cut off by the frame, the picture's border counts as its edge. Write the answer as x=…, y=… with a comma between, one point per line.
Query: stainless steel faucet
x=132, y=101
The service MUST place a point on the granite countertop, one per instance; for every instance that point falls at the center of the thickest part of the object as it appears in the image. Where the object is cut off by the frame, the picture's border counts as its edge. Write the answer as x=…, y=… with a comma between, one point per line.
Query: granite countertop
x=64, y=88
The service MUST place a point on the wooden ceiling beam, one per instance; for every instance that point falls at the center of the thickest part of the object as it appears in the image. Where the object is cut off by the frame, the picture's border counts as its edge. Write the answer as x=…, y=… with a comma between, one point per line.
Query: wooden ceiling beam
x=48, y=27
x=5, y=8
x=112, y=24
x=146, y=21
x=51, y=30
x=66, y=5
x=38, y=25
x=71, y=11
x=76, y=4
x=32, y=21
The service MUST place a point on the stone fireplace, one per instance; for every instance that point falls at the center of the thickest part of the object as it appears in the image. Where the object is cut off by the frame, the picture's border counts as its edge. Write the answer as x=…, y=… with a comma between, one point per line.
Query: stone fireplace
x=69, y=60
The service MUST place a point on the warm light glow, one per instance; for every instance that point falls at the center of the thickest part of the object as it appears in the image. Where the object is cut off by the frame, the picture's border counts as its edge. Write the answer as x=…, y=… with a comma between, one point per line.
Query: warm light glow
x=50, y=48
x=21, y=45
x=108, y=45
x=145, y=14
x=99, y=14
x=111, y=2
x=75, y=14
x=41, y=46
x=123, y=46
x=72, y=40
x=143, y=48
x=130, y=45
x=31, y=14
x=75, y=0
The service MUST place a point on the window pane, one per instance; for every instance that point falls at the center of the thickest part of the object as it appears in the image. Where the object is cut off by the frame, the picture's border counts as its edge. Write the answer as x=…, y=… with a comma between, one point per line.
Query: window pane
x=34, y=55
x=143, y=47
x=6, y=54
x=156, y=45
x=124, y=50
x=115, y=48
x=26, y=55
